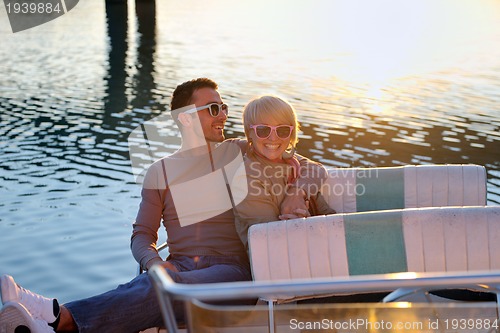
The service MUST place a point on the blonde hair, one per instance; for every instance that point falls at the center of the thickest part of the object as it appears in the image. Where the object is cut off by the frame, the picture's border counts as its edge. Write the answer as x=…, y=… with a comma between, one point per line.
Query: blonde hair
x=270, y=106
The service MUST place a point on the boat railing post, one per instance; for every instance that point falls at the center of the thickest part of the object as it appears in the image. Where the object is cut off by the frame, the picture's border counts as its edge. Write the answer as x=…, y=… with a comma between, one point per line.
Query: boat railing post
x=164, y=298
x=272, y=325
x=497, y=294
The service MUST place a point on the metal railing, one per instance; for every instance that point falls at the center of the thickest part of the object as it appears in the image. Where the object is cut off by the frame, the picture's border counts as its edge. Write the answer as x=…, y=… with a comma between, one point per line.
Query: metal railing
x=168, y=290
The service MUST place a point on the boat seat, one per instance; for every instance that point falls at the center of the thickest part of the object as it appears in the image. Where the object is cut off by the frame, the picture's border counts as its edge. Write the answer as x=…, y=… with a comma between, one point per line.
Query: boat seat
x=395, y=250
x=349, y=190
x=446, y=239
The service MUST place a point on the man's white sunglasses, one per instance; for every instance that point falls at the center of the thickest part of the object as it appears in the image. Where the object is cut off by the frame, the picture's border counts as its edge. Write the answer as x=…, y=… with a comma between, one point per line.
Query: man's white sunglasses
x=214, y=109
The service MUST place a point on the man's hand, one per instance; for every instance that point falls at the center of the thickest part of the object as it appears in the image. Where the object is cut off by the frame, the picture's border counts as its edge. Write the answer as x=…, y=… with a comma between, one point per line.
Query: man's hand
x=295, y=204
x=166, y=264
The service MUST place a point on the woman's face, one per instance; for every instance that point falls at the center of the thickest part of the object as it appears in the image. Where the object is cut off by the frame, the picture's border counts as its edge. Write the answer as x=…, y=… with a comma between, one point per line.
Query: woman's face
x=274, y=145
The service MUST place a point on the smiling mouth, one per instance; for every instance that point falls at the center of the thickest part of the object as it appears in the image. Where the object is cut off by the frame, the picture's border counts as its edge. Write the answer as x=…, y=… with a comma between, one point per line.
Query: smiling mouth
x=272, y=147
x=219, y=127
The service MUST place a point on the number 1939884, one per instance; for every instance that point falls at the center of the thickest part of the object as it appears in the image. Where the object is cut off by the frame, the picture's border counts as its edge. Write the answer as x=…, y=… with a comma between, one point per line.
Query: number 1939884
x=33, y=8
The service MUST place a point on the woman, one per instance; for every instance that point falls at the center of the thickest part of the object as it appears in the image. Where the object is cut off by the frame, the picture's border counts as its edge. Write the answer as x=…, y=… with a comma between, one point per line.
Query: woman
x=271, y=166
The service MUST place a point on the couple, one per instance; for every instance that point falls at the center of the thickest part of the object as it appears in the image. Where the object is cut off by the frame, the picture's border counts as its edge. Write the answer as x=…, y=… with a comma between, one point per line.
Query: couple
x=204, y=247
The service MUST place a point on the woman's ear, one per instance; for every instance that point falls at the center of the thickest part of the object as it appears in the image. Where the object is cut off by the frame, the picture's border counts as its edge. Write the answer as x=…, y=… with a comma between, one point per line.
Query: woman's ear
x=185, y=119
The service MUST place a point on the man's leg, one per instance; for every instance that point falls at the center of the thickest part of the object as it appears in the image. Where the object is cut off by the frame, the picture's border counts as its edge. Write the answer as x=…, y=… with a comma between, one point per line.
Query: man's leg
x=131, y=307
x=211, y=269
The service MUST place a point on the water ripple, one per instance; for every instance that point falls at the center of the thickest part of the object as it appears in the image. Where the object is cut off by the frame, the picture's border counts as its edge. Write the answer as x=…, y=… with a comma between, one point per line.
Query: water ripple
x=68, y=104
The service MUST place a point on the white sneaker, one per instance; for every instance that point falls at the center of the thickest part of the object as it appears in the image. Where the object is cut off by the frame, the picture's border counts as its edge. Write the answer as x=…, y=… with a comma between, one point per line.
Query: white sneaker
x=14, y=318
x=46, y=309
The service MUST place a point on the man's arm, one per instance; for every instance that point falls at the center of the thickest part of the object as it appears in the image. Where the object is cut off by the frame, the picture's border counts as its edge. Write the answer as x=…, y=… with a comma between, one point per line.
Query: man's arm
x=147, y=223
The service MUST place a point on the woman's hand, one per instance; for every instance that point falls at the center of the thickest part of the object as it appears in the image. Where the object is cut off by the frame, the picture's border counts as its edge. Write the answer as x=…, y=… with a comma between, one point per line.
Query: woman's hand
x=294, y=205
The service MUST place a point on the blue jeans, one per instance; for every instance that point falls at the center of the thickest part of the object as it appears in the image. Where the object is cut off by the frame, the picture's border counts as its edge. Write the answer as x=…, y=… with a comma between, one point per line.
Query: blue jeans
x=133, y=307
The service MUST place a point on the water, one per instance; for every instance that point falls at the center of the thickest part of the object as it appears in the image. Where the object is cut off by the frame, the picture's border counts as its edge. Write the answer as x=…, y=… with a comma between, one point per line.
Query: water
x=375, y=83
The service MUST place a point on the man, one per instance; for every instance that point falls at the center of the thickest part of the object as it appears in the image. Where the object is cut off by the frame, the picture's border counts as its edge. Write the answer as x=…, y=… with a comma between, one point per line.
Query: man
x=203, y=244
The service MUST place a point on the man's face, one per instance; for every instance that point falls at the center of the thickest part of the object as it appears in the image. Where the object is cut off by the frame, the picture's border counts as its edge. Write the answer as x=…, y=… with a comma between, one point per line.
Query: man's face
x=213, y=127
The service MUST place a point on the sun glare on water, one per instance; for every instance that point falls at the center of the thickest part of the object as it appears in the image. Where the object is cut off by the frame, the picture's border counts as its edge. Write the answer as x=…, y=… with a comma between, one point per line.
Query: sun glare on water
x=381, y=40
x=367, y=44
x=364, y=41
